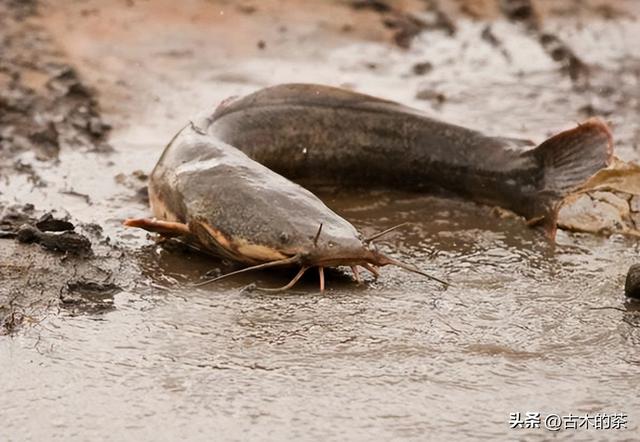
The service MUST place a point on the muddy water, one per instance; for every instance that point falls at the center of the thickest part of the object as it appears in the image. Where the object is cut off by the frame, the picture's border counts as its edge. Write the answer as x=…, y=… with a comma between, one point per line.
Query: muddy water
x=526, y=326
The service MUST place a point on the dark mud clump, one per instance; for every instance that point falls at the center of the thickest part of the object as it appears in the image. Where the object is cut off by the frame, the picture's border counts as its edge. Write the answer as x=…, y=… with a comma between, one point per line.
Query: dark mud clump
x=48, y=262
x=48, y=223
x=632, y=283
x=67, y=242
x=51, y=232
x=89, y=297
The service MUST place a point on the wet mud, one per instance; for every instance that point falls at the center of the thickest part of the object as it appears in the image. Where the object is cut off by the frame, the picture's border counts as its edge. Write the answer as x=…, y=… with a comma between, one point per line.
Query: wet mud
x=102, y=332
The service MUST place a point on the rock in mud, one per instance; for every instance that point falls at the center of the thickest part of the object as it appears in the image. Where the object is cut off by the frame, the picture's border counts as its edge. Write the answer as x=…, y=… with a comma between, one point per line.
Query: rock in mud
x=52, y=233
x=47, y=223
x=67, y=242
x=632, y=283
x=581, y=213
x=620, y=204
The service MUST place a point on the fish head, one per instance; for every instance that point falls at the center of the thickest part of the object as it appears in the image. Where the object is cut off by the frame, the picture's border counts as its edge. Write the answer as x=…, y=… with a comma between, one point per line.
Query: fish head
x=347, y=248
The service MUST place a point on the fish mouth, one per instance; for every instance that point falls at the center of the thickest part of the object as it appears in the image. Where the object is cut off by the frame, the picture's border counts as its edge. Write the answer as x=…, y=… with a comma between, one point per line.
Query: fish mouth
x=360, y=257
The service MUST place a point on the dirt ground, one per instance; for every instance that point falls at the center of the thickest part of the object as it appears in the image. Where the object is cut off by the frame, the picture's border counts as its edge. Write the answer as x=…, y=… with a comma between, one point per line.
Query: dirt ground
x=90, y=93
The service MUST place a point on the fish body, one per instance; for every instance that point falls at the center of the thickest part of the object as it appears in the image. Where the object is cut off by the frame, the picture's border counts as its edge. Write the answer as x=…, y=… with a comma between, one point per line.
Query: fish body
x=316, y=132
x=226, y=181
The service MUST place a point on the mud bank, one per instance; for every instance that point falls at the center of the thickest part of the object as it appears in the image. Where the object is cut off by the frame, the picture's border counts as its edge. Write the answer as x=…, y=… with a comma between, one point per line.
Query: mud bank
x=44, y=109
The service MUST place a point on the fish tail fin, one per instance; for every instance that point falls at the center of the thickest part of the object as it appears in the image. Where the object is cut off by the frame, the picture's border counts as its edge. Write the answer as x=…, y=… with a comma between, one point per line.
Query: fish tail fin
x=568, y=159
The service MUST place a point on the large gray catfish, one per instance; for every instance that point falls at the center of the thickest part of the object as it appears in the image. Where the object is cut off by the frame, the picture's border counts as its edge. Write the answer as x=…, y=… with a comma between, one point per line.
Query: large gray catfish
x=221, y=181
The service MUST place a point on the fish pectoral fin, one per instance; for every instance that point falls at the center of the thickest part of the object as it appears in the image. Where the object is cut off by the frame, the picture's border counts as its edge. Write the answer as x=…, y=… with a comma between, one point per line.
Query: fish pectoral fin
x=165, y=228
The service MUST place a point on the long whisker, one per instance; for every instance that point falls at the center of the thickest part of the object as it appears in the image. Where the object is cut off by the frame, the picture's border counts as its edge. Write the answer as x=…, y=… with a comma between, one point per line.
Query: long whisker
x=372, y=269
x=414, y=269
x=281, y=262
x=288, y=286
x=384, y=232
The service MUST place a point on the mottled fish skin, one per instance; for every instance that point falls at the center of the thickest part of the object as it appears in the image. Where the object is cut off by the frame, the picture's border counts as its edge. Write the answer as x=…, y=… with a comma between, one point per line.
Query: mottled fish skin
x=323, y=133
x=240, y=209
